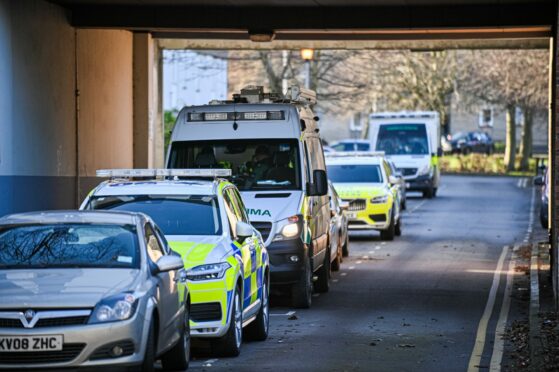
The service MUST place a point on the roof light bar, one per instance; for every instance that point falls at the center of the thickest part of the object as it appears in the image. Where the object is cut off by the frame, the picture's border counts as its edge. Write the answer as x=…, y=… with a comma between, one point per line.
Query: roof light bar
x=155, y=173
x=236, y=116
x=347, y=154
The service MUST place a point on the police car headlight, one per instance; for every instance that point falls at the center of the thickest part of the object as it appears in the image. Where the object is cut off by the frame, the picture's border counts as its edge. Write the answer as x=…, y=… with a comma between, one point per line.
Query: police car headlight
x=424, y=170
x=115, y=308
x=208, y=272
x=288, y=228
x=379, y=199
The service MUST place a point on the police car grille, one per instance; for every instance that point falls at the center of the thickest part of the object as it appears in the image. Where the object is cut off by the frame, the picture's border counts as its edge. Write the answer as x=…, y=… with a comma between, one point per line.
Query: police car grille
x=408, y=171
x=264, y=228
x=69, y=352
x=205, y=312
x=357, y=204
x=47, y=322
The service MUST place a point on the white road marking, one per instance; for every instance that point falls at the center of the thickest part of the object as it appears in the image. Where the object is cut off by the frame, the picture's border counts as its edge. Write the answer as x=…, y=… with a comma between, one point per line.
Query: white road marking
x=351, y=267
x=499, y=343
x=289, y=313
x=417, y=206
x=334, y=280
x=518, y=183
x=343, y=274
x=209, y=362
x=477, y=351
x=358, y=262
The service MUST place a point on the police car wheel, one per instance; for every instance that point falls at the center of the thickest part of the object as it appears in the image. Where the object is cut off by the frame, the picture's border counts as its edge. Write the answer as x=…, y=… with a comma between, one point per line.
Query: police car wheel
x=178, y=357
x=389, y=233
x=398, y=228
x=230, y=344
x=323, y=281
x=258, y=330
x=301, y=292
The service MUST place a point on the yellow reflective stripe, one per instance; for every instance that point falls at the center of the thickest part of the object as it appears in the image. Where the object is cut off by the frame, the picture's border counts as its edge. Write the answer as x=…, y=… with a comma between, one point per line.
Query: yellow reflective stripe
x=192, y=251
x=434, y=161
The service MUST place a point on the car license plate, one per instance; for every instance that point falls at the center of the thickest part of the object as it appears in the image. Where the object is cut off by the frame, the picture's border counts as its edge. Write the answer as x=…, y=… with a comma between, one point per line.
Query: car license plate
x=352, y=215
x=31, y=343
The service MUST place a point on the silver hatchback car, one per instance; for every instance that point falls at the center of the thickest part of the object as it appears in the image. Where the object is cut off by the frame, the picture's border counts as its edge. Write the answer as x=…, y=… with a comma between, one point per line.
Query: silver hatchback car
x=89, y=289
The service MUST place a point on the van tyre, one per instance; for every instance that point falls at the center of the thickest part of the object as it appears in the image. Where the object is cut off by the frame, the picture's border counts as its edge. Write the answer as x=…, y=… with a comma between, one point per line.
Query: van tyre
x=258, y=330
x=428, y=193
x=323, y=281
x=301, y=292
x=389, y=233
x=338, y=260
x=230, y=344
x=149, y=355
x=178, y=357
x=345, y=248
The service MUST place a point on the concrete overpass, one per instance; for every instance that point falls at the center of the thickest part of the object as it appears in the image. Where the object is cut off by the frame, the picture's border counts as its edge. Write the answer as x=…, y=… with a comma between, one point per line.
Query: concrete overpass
x=79, y=79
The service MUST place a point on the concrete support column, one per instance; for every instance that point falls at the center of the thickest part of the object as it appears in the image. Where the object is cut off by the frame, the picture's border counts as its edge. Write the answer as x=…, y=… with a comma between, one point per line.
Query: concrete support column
x=554, y=155
x=148, y=123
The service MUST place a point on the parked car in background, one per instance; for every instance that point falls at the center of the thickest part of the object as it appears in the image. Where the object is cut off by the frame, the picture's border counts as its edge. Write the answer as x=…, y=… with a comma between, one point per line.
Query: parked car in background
x=365, y=181
x=352, y=145
x=90, y=289
x=471, y=142
x=543, y=181
x=339, y=239
x=400, y=184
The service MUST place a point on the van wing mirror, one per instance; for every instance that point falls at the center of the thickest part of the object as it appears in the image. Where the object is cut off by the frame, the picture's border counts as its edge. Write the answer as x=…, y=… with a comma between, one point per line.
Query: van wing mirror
x=320, y=185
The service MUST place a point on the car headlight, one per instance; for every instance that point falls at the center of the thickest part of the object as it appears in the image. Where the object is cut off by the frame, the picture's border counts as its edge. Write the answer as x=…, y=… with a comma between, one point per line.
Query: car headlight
x=115, y=308
x=208, y=272
x=288, y=228
x=426, y=169
x=379, y=199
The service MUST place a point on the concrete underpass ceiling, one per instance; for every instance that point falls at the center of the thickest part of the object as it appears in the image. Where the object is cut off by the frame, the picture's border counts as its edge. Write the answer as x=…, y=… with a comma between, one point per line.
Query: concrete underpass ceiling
x=336, y=24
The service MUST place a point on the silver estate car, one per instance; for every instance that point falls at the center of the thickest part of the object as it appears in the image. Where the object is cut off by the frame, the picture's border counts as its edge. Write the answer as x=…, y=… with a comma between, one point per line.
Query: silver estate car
x=90, y=289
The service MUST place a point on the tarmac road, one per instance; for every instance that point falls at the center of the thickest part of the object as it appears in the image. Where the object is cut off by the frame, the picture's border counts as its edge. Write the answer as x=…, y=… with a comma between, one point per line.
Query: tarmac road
x=414, y=304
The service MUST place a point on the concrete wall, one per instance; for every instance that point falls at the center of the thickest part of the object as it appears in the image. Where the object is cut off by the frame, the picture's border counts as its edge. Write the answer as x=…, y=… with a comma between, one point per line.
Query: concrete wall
x=43, y=63
x=37, y=136
x=104, y=71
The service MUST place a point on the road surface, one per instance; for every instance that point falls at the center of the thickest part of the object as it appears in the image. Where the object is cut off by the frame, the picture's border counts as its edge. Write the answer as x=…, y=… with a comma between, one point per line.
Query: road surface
x=419, y=303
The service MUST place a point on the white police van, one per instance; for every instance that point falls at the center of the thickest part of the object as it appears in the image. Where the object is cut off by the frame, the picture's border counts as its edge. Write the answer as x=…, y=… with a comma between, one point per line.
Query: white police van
x=272, y=145
x=411, y=141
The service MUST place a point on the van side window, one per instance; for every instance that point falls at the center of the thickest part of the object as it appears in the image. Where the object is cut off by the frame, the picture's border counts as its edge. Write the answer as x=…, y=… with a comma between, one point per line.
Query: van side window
x=316, y=154
x=308, y=162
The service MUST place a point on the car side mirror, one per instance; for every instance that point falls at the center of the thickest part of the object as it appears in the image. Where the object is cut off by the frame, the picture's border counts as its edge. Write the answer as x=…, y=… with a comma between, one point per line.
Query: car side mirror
x=392, y=180
x=169, y=263
x=344, y=206
x=398, y=174
x=538, y=181
x=320, y=183
x=243, y=231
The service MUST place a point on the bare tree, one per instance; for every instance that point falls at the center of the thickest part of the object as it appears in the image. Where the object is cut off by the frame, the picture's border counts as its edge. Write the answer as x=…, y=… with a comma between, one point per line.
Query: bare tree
x=511, y=78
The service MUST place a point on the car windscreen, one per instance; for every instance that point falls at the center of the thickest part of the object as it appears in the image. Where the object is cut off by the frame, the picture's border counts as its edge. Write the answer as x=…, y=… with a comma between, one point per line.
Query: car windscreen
x=69, y=246
x=403, y=139
x=175, y=215
x=263, y=164
x=369, y=173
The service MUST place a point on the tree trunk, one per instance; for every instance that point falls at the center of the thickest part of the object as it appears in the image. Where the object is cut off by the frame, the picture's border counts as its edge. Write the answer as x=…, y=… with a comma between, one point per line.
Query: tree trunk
x=510, y=145
x=526, y=142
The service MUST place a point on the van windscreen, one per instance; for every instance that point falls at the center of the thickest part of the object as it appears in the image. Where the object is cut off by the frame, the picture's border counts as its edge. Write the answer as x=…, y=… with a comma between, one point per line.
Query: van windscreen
x=263, y=164
x=403, y=139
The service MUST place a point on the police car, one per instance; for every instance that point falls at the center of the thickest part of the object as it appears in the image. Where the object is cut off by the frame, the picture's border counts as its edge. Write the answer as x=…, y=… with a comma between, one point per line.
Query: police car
x=205, y=221
x=366, y=182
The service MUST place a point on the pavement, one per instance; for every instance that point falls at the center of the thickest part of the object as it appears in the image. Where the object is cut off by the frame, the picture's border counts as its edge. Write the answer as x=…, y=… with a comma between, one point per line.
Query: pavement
x=434, y=299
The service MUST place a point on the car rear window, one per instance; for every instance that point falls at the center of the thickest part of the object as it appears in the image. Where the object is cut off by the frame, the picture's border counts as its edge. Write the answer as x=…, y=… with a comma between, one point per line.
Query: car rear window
x=369, y=173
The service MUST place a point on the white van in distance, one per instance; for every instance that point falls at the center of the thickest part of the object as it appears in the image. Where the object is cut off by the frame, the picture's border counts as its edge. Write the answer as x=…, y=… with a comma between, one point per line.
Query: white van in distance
x=411, y=141
x=272, y=146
